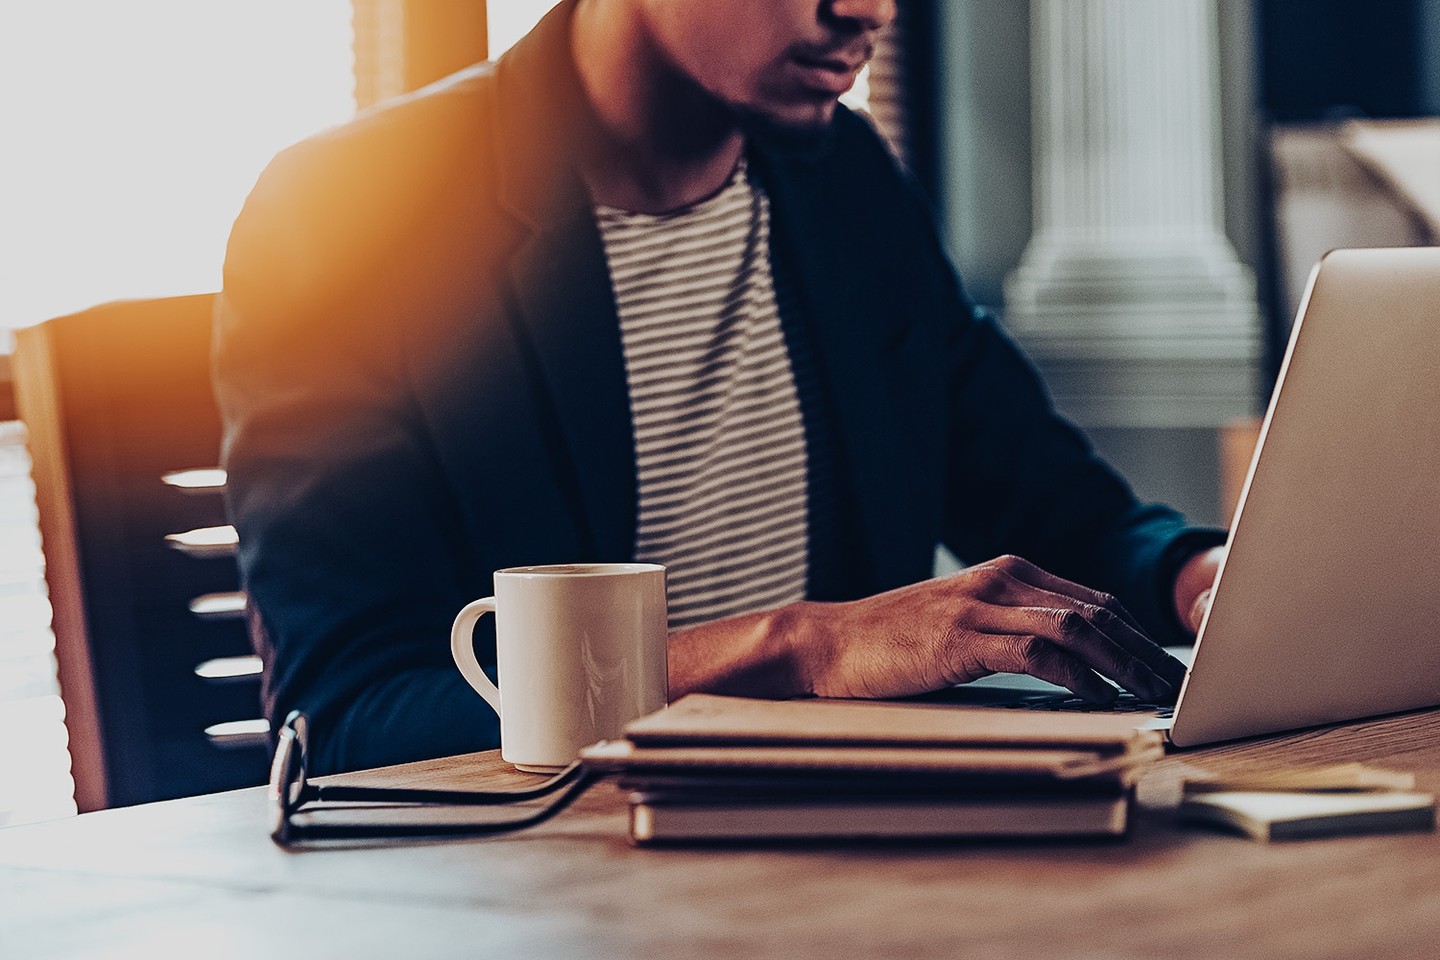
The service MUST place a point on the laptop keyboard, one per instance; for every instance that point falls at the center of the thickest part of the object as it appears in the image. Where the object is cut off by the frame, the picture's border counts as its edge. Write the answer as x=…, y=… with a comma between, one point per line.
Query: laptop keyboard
x=1069, y=703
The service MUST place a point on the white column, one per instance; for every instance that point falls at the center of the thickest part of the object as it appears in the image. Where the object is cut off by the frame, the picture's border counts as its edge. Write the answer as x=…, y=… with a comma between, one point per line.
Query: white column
x=1129, y=296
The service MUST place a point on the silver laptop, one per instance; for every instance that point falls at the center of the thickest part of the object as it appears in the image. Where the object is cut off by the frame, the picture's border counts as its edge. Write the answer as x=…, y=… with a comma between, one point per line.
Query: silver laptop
x=1327, y=607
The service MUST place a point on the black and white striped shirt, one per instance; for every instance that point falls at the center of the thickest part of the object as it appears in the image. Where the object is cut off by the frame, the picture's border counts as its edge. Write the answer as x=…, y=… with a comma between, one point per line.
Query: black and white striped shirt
x=719, y=438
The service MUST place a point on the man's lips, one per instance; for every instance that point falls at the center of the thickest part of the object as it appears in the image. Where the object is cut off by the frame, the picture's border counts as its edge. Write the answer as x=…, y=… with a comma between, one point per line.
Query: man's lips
x=830, y=72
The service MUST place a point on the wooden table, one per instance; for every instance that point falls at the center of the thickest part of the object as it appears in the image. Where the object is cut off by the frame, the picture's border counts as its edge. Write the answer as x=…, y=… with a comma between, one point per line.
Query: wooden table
x=199, y=877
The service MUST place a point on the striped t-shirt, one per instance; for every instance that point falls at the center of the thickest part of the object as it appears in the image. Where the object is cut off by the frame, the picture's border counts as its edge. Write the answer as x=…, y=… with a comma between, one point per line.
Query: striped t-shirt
x=719, y=439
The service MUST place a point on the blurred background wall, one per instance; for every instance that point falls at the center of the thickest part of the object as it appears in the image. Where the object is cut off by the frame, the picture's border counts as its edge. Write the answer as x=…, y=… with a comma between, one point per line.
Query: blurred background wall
x=1284, y=68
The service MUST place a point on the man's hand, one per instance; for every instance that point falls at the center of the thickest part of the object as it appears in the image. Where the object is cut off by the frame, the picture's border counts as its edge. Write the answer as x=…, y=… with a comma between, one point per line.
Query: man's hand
x=1194, y=585
x=1006, y=615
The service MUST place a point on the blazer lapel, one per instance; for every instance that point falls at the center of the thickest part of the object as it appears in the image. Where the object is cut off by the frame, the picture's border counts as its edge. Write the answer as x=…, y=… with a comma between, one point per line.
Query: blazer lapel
x=560, y=293
x=867, y=369
x=566, y=312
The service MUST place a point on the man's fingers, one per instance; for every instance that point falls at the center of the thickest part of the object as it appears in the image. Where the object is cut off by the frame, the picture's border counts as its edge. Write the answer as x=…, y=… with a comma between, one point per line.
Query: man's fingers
x=1075, y=633
x=1199, y=608
x=1038, y=657
x=1023, y=584
x=1025, y=571
x=1140, y=645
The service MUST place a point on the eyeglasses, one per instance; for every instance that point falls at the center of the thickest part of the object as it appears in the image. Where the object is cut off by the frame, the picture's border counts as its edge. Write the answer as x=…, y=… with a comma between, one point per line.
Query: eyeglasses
x=292, y=793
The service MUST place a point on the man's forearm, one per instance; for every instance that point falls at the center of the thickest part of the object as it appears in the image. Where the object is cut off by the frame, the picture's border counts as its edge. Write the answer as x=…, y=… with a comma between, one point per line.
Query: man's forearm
x=752, y=655
x=1005, y=615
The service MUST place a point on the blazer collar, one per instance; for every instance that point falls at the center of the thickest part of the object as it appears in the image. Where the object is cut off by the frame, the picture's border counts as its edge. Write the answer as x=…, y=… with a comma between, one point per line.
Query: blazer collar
x=544, y=120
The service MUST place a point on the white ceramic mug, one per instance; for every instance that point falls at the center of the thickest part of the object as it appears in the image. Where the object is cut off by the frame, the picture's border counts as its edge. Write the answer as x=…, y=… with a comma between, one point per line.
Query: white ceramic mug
x=581, y=652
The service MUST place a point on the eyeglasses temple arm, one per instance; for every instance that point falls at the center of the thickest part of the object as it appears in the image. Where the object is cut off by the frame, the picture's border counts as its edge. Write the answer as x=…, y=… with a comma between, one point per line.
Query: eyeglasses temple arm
x=288, y=834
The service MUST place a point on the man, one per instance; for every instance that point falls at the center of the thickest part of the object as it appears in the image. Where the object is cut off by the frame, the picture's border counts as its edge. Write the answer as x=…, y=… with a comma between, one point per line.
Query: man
x=642, y=289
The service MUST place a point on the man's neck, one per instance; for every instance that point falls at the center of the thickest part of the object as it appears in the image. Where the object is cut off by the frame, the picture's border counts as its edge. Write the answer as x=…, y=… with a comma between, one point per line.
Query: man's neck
x=663, y=143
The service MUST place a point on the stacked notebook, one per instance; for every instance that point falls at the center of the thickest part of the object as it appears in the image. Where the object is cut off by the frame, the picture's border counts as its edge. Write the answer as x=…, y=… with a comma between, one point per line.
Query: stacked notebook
x=729, y=768
x=1303, y=802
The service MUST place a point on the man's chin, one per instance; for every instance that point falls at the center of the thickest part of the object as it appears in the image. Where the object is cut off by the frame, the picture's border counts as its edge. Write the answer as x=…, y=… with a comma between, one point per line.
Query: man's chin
x=804, y=135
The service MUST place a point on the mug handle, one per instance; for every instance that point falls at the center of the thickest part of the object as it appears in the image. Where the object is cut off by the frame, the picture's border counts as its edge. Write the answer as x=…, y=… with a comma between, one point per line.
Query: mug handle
x=462, y=648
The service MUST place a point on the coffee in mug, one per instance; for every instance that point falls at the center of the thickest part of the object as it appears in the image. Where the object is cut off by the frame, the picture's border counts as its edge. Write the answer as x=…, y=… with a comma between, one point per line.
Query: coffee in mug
x=581, y=651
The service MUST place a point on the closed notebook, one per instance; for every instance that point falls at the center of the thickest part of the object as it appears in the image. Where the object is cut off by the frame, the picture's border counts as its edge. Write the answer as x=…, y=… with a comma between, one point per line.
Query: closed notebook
x=657, y=819
x=836, y=758
x=709, y=719
x=1278, y=815
x=710, y=768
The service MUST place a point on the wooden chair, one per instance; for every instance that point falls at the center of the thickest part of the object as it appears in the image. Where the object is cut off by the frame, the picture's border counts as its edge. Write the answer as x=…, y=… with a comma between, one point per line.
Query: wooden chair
x=160, y=685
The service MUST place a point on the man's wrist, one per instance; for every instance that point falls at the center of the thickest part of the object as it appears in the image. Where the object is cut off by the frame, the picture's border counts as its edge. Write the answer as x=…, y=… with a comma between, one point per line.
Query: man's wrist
x=802, y=643
x=768, y=654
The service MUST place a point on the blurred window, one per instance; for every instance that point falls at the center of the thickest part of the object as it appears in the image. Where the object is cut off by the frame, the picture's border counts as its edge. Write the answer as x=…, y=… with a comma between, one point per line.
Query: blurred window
x=132, y=133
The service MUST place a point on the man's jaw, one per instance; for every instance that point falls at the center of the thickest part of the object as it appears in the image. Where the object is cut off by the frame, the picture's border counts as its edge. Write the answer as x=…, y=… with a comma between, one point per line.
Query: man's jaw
x=796, y=105
x=807, y=137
